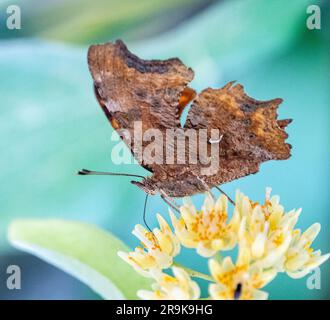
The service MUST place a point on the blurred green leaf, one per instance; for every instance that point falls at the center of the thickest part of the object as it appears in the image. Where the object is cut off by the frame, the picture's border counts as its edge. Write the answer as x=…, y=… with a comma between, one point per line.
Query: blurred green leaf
x=230, y=36
x=83, y=251
x=85, y=21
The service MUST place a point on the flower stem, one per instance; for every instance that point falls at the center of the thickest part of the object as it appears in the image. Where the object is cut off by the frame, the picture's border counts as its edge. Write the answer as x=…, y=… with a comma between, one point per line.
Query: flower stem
x=194, y=273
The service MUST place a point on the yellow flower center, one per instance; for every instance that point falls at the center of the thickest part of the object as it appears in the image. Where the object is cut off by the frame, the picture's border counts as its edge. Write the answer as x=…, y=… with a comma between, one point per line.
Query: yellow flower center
x=151, y=237
x=278, y=240
x=227, y=278
x=208, y=226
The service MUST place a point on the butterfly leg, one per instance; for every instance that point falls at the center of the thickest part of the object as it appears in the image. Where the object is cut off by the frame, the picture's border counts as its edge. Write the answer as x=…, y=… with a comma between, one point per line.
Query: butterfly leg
x=212, y=195
x=169, y=201
x=230, y=200
x=207, y=189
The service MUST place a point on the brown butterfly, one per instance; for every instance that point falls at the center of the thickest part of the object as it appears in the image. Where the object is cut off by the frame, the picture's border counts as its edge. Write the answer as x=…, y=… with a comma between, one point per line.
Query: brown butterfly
x=156, y=92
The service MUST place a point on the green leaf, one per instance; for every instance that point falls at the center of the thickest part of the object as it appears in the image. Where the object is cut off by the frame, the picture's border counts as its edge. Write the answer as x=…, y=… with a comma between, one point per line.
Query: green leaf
x=83, y=251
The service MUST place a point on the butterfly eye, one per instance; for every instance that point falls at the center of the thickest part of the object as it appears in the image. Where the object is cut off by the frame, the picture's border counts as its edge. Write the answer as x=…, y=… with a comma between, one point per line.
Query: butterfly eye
x=238, y=291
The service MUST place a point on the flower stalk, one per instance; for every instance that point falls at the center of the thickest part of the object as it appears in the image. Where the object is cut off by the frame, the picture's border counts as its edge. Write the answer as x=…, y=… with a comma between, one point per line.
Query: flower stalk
x=193, y=273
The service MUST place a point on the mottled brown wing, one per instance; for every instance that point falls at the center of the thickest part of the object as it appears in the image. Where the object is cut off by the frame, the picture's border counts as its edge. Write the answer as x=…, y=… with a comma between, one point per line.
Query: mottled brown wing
x=251, y=132
x=130, y=89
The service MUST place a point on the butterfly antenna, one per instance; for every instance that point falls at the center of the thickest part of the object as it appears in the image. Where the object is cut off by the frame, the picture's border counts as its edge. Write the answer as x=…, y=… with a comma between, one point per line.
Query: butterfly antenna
x=85, y=172
x=230, y=200
x=144, y=212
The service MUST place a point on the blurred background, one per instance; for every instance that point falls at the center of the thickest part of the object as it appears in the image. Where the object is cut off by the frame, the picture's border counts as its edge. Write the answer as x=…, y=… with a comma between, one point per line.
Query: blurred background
x=51, y=124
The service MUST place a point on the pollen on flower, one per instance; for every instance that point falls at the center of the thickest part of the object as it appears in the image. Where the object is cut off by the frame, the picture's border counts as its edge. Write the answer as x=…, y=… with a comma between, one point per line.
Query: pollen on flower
x=153, y=240
x=156, y=251
x=279, y=239
x=207, y=229
x=229, y=277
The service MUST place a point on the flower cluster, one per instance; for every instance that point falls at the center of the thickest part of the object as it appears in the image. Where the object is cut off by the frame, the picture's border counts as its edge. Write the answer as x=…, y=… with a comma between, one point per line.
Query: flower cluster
x=265, y=235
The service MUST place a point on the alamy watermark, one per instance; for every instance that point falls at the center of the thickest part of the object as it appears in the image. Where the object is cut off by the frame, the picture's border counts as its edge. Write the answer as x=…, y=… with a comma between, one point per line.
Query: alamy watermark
x=313, y=282
x=14, y=17
x=168, y=146
x=14, y=277
x=313, y=21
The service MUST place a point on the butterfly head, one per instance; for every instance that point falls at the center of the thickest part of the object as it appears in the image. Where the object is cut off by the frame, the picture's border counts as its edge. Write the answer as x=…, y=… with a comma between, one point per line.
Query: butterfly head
x=146, y=185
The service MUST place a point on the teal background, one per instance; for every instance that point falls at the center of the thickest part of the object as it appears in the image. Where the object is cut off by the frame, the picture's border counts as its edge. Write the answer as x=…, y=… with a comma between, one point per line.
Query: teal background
x=51, y=124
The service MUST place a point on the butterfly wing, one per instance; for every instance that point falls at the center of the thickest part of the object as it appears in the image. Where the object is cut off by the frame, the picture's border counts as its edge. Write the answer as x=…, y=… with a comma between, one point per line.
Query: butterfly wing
x=132, y=91
x=151, y=94
x=251, y=133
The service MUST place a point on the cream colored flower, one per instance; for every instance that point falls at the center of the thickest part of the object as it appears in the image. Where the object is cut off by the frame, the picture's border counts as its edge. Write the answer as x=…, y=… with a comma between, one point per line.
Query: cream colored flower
x=207, y=230
x=266, y=230
x=266, y=238
x=157, y=251
x=177, y=287
x=240, y=281
x=300, y=258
